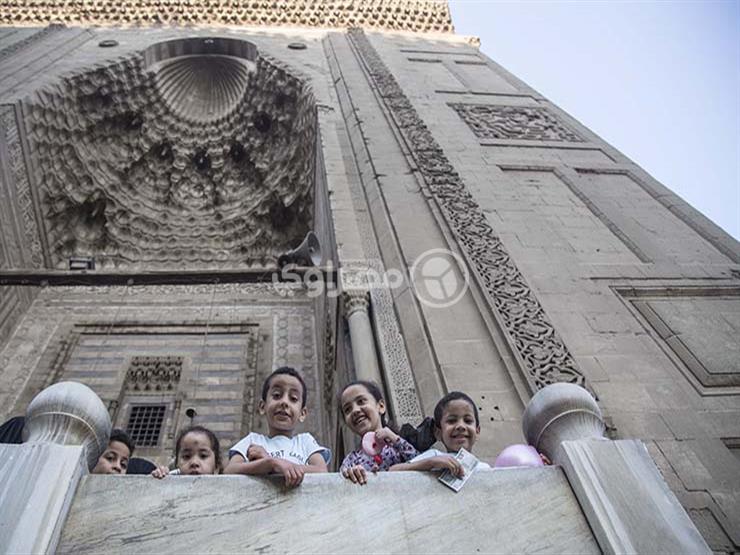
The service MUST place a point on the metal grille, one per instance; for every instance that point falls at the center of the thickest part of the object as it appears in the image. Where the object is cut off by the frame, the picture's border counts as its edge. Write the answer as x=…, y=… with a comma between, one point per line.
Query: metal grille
x=145, y=424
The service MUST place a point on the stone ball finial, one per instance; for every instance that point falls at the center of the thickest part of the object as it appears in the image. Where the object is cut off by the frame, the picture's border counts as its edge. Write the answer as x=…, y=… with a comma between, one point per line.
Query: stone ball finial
x=69, y=413
x=561, y=412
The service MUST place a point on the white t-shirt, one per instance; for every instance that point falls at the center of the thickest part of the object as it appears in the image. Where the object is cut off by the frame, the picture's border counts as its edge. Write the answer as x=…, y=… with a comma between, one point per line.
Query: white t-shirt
x=437, y=453
x=297, y=449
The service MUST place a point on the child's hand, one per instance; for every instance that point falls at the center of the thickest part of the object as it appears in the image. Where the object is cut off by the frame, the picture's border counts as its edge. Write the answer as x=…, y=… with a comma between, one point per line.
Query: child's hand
x=293, y=473
x=355, y=474
x=386, y=436
x=444, y=462
x=256, y=452
x=545, y=460
x=160, y=472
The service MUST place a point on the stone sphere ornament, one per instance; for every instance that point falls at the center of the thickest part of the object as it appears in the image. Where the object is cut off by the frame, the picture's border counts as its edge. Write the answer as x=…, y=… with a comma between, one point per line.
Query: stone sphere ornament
x=561, y=412
x=518, y=455
x=69, y=413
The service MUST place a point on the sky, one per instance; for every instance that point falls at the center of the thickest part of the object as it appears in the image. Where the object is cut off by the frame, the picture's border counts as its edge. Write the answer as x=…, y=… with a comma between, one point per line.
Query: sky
x=658, y=80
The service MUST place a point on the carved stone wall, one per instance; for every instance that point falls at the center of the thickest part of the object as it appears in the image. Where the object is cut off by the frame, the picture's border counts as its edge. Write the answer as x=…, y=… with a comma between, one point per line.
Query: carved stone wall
x=207, y=347
x=542, y=352
x=197, y=154
x=406, y=15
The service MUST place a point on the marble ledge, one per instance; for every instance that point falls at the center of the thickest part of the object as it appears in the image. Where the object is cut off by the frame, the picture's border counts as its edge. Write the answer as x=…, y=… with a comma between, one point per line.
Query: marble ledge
x=512, y=510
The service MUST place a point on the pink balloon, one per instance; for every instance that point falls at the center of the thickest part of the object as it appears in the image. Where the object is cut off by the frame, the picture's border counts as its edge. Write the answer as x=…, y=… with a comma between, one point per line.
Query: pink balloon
x=518, y=455
x=370, y=444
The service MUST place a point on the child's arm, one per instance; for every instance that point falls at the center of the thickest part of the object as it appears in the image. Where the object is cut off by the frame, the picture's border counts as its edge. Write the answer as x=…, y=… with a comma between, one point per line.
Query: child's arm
x=353, y=470
x=405, y=450
x=442, y=462
x=316, y=463
x=239, y=465
x=293, y=473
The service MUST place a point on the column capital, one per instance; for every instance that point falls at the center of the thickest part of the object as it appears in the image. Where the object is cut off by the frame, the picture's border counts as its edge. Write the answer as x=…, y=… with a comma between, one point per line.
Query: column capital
x=355, y=300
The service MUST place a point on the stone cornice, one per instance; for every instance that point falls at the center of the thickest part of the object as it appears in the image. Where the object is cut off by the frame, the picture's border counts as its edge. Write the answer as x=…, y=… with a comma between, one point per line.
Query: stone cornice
x=392, y=15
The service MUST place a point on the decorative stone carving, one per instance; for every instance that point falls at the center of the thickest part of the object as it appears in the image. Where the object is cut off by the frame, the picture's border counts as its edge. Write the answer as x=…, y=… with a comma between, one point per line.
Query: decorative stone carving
x=202, y=80
x=287, y=289
x=330, y=363
x=405, y=15
x=545, y=357
x=137, y=175
x=355, y=300
x=514, y=122
x=17, y=166
x=154, y=374
x=69, y=413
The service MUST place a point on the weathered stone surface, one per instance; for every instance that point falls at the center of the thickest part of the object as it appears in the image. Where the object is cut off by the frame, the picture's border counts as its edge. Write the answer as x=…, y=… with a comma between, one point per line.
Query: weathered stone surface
x=627, y=503
x=37, y=483
x=503, y=511
x=411, y=15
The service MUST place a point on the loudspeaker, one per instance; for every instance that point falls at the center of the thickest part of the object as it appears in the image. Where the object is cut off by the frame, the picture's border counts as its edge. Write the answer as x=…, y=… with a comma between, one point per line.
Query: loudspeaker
x=308, y=253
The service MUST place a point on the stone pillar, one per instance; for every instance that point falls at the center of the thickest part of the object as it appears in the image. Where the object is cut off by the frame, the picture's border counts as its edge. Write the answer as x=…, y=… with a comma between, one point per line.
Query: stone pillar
x=66, y=429
x=625, y=499
x=364, y=355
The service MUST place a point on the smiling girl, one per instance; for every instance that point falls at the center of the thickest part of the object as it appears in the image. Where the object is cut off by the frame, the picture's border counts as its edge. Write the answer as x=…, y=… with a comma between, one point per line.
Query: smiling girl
x=363, y=408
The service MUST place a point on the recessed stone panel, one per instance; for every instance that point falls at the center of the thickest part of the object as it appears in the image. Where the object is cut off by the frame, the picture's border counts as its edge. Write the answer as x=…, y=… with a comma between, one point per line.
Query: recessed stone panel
x=481, y=78
x=702, y=331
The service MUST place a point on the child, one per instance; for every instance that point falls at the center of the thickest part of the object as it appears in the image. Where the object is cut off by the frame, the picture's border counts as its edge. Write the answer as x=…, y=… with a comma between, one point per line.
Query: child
x=114, y=459
x=456, y=425
x=197, y=452
x=363, y=407
x=280, y=451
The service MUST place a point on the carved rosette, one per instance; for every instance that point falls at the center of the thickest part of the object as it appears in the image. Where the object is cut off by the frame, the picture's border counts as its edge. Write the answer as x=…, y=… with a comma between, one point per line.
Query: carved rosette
x=545, y=357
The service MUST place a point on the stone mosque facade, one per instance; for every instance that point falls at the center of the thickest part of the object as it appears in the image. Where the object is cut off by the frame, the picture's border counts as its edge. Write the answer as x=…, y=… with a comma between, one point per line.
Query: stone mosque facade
x=158, y=157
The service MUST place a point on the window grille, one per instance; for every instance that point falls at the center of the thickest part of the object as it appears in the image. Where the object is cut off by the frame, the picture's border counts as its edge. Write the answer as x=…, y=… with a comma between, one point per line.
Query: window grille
x=145, y=424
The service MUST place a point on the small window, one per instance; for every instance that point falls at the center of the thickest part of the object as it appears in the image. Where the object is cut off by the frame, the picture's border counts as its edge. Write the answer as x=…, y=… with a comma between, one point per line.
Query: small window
x=145, y=424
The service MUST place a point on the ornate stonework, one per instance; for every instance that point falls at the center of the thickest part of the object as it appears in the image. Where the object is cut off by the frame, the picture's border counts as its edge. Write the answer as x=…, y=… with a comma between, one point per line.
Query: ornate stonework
x=140, y=166
x=153, y=374
x=17, y=166
x=398, y=15
x=514, y=122
x=354, y=300
x=542, y=351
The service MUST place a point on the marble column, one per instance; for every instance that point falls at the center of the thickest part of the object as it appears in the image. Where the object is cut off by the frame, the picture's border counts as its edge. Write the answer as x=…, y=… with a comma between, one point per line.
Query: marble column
x=623, y=496
x=364, y=355
x=66, y=429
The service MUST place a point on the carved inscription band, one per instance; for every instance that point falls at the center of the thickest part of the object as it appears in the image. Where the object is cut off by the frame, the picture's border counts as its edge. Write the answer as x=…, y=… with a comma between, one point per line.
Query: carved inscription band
x=545, y=356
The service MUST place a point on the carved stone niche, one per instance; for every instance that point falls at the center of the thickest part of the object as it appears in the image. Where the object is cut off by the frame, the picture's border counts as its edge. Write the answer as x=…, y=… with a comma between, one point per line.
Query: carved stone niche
x=193, y=153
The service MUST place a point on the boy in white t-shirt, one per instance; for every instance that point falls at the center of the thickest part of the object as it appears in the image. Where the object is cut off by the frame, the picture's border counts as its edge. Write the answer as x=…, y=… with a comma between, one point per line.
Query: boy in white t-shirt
x=280, y=452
